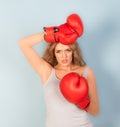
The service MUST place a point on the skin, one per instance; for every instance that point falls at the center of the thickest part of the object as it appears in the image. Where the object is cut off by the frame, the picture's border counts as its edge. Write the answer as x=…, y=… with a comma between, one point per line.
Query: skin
x=63, y=55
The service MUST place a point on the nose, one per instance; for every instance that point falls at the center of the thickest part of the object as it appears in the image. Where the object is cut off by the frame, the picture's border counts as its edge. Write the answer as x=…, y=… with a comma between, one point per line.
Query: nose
x=64, y=55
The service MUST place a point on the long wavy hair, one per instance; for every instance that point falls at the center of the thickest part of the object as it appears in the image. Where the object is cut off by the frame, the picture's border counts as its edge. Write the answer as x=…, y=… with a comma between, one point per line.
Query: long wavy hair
x=77, y=57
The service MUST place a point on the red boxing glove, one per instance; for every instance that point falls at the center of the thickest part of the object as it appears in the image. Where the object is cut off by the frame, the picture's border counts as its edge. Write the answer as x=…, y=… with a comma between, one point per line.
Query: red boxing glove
x=75, y=89
x=76, y=23
x=50, y=34
x=66, y=33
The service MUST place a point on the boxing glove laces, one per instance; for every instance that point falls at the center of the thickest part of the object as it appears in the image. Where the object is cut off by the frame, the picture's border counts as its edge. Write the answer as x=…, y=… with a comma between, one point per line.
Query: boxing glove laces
x=66, y=33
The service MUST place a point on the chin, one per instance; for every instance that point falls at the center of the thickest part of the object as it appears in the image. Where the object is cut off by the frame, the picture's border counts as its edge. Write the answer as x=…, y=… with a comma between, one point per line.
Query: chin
x=65, y=65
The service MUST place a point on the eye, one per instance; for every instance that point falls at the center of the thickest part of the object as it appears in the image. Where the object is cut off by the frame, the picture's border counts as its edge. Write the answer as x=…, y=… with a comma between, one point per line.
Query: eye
x=58, y=51
x=68, y=50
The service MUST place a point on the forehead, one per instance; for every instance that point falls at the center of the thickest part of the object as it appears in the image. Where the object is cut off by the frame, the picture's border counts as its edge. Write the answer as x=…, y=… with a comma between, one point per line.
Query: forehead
x=60, y=46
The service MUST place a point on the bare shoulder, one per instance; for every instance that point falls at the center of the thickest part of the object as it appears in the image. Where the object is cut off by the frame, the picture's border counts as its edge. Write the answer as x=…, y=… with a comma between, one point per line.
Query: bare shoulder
x=91, y=74
x=81, y=69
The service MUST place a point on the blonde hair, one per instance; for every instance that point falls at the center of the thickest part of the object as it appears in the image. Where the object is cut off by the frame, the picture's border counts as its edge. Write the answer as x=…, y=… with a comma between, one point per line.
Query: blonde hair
x=49, y=54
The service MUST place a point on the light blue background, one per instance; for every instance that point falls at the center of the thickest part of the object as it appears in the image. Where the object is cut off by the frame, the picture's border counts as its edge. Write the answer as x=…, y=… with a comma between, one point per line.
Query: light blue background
x=21, y=94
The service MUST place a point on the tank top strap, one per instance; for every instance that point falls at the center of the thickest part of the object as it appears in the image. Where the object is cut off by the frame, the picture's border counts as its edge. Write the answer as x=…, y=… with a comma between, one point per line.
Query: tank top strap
x=85, y=72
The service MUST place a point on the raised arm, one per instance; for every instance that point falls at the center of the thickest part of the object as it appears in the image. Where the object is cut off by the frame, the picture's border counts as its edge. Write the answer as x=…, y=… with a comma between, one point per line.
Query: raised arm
x=93, y=108
x=38, y=63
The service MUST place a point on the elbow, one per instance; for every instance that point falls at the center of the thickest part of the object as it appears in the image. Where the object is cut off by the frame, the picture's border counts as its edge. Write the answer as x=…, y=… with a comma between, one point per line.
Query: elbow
x=96, y=113
x=20, y=43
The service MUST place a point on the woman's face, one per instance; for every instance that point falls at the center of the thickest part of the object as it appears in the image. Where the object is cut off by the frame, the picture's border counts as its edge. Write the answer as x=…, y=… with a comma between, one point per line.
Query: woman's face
x=63, y=54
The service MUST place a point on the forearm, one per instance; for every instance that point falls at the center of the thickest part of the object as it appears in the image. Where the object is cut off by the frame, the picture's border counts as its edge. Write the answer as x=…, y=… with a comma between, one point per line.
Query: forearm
x=31, y=40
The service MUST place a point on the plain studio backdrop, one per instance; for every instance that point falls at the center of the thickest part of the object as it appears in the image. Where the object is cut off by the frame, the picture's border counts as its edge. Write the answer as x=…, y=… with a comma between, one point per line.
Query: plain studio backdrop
x=21, y=93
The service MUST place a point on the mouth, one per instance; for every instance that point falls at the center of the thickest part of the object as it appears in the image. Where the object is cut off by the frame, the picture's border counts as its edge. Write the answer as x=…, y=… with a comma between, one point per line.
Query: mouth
x=64, y=61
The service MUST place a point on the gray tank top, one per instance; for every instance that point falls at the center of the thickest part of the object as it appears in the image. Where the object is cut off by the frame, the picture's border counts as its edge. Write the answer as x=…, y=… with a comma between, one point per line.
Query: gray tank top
x=59, y=111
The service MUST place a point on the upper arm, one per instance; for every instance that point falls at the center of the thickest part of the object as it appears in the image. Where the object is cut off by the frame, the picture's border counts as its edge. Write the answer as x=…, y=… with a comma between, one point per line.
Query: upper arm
x=92, y=84
x=93, y=92
x=37, y=62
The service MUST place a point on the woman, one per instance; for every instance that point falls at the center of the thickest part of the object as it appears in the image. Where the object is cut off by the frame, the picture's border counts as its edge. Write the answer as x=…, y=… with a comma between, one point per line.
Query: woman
x=59, y=60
